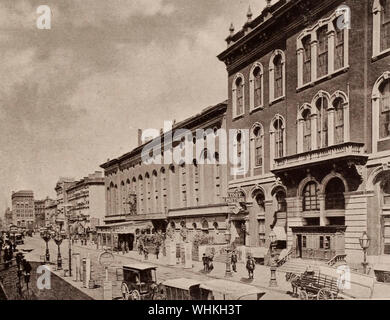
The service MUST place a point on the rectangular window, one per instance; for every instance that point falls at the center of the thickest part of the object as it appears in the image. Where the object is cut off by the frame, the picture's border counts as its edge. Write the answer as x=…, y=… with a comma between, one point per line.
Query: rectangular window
x=304, y=242
x=321, y=242
x=322, y=63
x=258, y=98
x=385, y=112
x=262, y=232
x=278, y=76
x=258, y=152
x=240, y=100
x=307, y=132
x=306, y=59
x=339, y=48
x=385, y=28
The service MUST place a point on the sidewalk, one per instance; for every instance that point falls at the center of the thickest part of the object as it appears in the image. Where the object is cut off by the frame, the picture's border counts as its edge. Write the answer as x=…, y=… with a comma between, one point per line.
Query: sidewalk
x=261, y=279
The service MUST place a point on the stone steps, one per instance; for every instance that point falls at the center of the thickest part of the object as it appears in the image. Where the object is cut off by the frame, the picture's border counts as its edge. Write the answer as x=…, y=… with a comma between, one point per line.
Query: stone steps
x=300, y=266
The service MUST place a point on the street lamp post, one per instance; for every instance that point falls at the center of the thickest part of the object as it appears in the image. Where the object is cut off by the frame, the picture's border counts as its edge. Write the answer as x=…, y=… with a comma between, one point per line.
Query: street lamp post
x=58, y=240
x=272, y=237
x=228, y=272
x=67, y=216
x=364, y=244
x=46, y=237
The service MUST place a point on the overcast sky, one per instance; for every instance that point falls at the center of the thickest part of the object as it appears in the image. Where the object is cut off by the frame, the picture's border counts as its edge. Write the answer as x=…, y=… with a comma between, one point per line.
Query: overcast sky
x=74, y=96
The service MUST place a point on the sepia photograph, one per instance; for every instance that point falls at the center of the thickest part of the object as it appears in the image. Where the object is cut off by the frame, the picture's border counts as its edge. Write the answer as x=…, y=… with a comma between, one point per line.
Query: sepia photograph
x=210, y=151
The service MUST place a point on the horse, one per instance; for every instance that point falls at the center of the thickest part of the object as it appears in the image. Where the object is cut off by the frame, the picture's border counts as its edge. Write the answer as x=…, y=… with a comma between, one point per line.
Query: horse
x=294, y=279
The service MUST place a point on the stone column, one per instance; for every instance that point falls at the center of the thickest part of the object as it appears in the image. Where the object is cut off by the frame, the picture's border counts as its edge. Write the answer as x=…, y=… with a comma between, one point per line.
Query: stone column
x=321, y=199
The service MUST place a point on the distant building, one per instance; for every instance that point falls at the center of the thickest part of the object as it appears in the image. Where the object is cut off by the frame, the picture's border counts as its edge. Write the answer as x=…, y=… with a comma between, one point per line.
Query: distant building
x=8, y=220
x=86, y=201
x=39, y=212
x=61, y=199
x=50, y=212
x=23, y=208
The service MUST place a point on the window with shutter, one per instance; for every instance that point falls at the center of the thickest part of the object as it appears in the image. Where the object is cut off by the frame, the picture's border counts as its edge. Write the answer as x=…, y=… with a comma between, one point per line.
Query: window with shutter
x=306, y=42
x=322, y=122
x=322, y=61
x=307, y=131
x=278, y=77
x=339, y=47
x=339, y=121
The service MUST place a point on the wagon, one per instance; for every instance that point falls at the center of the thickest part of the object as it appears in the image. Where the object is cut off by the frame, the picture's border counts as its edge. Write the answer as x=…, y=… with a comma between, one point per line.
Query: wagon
x=139, y=282
x=181, y=289
x=317, y=286
x=228, y=290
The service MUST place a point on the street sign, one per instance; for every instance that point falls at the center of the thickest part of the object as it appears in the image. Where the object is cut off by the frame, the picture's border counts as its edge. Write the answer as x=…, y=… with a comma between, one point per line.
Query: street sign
x=106, y=259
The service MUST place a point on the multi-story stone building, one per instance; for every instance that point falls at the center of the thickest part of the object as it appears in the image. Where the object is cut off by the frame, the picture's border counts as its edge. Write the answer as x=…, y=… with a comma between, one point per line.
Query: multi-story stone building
x=168, y=194
x=61, y=201
x=23, y=208
x=86, y=199
x=311, y=81
x=39, y=213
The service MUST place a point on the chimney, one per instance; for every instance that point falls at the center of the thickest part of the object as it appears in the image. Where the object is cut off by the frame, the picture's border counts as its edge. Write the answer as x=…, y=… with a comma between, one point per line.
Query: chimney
x=139, y=137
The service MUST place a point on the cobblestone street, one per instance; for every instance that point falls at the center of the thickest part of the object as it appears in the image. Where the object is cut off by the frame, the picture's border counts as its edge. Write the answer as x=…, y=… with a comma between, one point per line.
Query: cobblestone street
x=163, y=271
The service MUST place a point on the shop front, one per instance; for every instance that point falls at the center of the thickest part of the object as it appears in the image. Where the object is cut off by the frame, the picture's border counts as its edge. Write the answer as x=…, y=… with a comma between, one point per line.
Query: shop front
x=318, y=242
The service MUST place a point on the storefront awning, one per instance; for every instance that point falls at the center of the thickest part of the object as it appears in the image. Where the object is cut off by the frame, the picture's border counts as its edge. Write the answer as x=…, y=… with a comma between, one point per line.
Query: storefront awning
x=280, y=233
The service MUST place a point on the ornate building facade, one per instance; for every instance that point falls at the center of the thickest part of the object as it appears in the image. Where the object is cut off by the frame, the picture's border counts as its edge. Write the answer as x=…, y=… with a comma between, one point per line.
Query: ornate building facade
x=23, y=209
x=311, y=81
x=165, y=194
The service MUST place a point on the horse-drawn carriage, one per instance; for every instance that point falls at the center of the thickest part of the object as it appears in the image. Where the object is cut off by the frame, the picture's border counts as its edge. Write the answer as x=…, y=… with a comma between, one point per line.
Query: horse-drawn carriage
x=312, y=286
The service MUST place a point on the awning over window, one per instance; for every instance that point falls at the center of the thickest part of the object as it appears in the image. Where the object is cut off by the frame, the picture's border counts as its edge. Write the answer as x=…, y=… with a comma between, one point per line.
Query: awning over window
x=280, y=233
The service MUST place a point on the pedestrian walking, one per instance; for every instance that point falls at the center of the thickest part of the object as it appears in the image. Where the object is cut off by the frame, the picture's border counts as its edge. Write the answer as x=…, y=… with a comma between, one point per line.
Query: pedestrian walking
x=205, y=263
x=146, y=252
x=26, y=271
x=234, y=260
x=123, y=248
x=140, y=248
x=250, y=266
x=210, y=263
x=157, y=251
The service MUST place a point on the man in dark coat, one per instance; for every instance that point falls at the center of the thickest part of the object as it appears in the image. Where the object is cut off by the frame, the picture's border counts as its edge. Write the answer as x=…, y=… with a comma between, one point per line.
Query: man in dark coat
x=234, y=260
x=205, y=263
x=250, y=266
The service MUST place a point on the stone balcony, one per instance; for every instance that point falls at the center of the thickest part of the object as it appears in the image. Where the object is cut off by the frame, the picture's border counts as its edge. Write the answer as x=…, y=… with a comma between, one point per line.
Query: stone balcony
x=349, y=151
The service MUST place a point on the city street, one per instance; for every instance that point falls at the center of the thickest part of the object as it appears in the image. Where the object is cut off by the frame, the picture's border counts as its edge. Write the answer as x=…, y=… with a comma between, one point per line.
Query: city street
x=163, y=272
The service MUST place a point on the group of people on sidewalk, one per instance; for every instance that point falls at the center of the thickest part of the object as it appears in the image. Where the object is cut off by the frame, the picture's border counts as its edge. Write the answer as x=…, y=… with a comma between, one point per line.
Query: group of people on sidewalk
x=207, y=260
x=7, y=249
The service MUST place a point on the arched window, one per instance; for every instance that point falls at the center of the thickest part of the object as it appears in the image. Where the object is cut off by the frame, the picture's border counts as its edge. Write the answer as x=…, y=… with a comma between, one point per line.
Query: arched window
x=322, y=59
x=260, y=200
x=310, y=197
x=277, y=74
x=384, y=114
x=306, y=115
x=385, y=27
x=239, y=147
x=385, y=186
x=256, y=86
x=279, y=138
x=338, y=105
x=194, y=226
x=257, y=142
x=334, y=195
x=215, y=225
x=278, y=81
x=238, y=96
x=322, y=122
x=306, y=43
x=338, y=46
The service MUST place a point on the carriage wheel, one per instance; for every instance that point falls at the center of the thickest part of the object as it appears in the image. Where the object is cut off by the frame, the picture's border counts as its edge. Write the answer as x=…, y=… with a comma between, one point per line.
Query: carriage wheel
x=303, y=295
x=135, y=295
x=325, y=294
x=125, y=291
